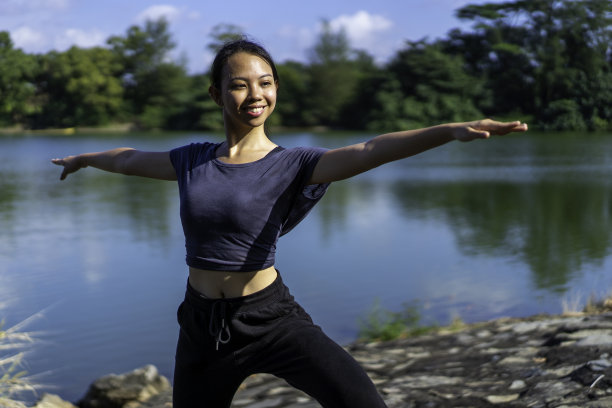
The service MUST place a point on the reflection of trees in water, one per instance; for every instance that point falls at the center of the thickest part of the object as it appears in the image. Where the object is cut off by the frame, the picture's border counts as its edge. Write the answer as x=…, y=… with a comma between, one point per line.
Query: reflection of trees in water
x=144, y=204
x=8, y=209
x=333, y=208
x=555, y=227
x=94, y=200
x=8, y=197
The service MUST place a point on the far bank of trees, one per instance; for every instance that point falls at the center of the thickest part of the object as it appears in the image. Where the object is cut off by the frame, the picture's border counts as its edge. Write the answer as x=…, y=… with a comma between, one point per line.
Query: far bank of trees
x=545, y=61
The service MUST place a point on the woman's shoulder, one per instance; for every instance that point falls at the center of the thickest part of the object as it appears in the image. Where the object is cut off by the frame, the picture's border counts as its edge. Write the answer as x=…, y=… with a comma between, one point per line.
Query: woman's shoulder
x=301, y=153
x=193, y=153
x=197, y=146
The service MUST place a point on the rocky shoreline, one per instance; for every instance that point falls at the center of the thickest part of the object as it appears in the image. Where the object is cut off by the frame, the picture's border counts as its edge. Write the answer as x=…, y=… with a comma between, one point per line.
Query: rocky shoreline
x=541, y=361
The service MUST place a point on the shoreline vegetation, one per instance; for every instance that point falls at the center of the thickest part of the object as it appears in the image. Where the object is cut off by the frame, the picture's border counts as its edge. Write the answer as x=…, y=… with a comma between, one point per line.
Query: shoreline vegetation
x=113, y=128
x=14, y=345
x=385, y=325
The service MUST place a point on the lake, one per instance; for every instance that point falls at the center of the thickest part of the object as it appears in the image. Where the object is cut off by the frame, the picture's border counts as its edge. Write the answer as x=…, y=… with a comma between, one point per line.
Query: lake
x=512, y=226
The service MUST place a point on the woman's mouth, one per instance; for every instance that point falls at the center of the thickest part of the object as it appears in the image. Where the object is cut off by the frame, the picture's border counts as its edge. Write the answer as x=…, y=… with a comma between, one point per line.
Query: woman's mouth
x=255, y=110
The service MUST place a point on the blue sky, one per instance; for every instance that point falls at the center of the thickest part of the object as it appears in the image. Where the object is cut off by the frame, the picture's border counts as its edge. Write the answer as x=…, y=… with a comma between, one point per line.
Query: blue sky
x=287, y=28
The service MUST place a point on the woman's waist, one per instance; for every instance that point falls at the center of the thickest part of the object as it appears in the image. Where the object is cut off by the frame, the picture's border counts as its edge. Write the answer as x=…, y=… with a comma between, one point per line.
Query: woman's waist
x=223, y=284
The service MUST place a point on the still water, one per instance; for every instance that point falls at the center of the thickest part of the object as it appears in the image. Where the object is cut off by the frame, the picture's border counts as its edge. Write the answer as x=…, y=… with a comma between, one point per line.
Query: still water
x=511, y=226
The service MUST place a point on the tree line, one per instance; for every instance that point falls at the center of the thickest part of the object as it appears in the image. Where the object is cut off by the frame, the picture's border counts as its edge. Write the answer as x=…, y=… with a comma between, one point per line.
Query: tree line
x=543, y=61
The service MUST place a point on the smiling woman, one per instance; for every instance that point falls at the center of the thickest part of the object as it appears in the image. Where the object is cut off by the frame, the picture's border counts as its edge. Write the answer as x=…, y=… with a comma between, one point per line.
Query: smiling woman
x=236, y=199
x=247, y=92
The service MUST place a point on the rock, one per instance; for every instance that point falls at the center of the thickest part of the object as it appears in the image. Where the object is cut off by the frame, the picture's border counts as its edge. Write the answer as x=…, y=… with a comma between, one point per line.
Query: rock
x=125, y=390
x=52, y=401
x=596, y=339
x=517, y=385
x=502, y=399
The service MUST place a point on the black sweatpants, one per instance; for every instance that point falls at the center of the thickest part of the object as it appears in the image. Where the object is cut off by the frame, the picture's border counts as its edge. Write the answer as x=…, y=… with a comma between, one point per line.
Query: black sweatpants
x=223, y=341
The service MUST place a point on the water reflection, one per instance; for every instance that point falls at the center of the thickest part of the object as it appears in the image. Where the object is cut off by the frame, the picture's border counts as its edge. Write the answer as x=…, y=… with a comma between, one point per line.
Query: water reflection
x=555, y=227
x=141, y=206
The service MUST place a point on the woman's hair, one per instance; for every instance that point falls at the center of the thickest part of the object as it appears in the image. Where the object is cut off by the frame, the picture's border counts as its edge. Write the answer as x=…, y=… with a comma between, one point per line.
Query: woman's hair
x=233, y=47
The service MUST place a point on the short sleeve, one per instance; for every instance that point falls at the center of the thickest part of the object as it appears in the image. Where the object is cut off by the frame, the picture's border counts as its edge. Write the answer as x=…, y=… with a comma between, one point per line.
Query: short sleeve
x=185, y=158
x=309, y=194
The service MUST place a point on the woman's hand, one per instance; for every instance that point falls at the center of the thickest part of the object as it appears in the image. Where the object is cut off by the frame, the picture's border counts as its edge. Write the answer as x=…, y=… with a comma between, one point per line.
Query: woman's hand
x=70, y=163
x=483, y=129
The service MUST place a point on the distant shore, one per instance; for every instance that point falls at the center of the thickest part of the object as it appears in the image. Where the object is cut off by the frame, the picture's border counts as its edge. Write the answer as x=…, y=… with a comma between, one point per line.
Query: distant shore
x=119, y=127
x=130, y=127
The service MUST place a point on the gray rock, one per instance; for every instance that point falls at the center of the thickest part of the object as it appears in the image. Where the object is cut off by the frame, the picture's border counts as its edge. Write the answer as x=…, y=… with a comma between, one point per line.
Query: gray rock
x=52, y=401
x=116, y=391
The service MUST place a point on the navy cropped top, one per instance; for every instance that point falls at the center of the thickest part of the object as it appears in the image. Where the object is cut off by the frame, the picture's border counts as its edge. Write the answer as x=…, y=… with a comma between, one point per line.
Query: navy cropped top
x=233, y=214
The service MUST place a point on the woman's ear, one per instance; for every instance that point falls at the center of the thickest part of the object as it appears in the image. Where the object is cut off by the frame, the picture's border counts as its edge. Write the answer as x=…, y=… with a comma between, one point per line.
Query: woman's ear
x=215, y=95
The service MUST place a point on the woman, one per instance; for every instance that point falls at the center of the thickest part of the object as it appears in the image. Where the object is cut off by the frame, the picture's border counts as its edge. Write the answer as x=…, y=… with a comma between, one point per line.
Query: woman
x=237, y=197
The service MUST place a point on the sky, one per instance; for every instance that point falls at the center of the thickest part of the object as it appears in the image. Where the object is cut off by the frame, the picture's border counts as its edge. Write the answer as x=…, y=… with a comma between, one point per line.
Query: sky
x=288, y=29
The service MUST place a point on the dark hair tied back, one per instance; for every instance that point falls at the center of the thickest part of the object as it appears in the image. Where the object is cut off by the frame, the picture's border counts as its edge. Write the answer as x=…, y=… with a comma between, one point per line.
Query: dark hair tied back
x=233, y=47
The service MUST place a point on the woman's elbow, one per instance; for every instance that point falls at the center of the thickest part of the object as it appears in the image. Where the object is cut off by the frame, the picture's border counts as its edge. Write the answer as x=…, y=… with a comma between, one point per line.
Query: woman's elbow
x=126, y=162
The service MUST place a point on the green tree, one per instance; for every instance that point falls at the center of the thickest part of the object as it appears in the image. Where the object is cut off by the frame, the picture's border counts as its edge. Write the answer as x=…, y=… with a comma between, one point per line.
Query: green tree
x=17, y=90
x=433, y=86
x=142, y=49
x=223, y=33
x=292, y=92
x=332, y=78
x=562, y=48
x=198, y=111
x=79, y=87
x=156, y=89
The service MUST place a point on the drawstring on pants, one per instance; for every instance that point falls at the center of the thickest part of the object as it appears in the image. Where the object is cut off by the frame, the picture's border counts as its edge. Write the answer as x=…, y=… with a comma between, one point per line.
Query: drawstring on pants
x=221, y=331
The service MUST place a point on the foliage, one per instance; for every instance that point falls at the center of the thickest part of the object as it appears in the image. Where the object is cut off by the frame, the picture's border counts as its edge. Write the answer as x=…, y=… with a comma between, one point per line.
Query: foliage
x=383, y=325
x=555, y=51
x=13, y=381
x=223, y=33
x=17, y=90
x=155, y=88
x=292, y=90
x=549, y=60
x=78, y=87
x=331, y=78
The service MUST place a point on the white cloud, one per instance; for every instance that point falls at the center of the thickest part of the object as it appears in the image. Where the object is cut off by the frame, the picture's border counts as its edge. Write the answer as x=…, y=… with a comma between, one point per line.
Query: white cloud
x=364, y=31
x=80, y=38
x=28, y=39
x=170, y=13
x=361, y=27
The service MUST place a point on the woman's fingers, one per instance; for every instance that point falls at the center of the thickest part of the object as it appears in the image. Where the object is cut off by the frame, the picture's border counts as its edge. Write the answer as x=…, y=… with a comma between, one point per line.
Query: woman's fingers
x=483, y=129
x=500, y=128
x=68, y=166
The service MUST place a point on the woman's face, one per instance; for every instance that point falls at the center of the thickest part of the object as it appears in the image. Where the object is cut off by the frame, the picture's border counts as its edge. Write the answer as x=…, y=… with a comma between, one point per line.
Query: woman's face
x=248, y=90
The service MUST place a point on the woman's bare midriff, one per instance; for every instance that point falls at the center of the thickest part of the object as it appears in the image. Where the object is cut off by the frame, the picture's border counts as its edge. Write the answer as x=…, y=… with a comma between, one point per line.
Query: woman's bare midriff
x=216, y=284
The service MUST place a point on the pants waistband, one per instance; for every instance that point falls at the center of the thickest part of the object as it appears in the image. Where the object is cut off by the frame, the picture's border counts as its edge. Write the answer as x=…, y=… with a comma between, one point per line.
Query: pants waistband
x=271, y=293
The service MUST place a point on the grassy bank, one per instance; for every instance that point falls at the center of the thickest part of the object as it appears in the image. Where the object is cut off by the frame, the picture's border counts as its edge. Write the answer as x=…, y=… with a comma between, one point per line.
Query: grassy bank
x=379, y=324
x=14, y=381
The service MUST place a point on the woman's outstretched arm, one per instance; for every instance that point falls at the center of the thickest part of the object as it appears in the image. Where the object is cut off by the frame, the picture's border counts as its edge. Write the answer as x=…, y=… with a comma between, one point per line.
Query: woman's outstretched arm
x=345, y=162
x=123, y=160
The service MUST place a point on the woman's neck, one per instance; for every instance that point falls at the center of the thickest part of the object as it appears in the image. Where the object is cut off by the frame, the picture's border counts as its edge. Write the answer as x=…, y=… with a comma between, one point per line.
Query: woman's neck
x=244, y=147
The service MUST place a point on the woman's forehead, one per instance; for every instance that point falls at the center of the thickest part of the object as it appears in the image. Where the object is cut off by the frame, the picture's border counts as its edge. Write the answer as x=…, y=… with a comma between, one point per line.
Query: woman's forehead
x=242, y=63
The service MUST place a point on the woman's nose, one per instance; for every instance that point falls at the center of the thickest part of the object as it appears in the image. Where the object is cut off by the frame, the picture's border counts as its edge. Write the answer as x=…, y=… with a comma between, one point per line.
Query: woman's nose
x=255, y=92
